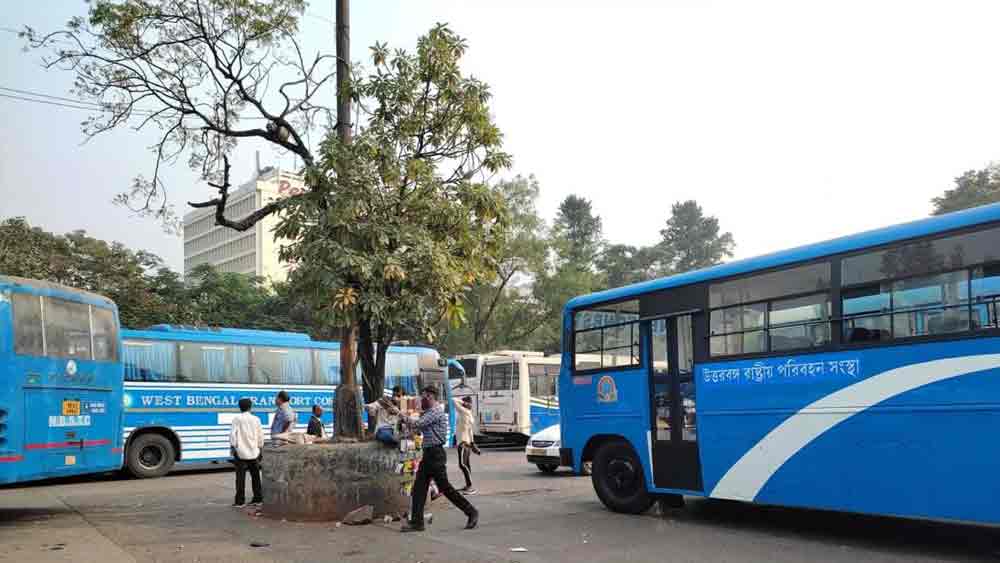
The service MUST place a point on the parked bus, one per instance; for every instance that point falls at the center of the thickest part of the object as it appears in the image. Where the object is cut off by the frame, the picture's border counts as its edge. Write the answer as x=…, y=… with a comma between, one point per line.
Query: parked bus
x=860, y=374
x=183, y=385
x=61, y=390
x=518, y=395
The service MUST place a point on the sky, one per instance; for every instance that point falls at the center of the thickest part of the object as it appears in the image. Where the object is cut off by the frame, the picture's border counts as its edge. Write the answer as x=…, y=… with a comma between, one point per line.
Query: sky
x=791, y=122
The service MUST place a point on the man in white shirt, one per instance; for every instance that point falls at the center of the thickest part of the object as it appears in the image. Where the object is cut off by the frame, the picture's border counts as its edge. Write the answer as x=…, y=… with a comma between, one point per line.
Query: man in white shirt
x=246, y=438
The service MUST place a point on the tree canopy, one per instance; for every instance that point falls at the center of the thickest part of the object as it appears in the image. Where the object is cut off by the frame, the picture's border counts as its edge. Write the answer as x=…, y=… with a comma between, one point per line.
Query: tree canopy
x=973, y=188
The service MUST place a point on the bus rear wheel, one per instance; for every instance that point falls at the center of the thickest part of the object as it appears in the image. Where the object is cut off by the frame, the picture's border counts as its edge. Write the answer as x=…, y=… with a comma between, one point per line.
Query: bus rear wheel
x=150, y=455
x=619, y=479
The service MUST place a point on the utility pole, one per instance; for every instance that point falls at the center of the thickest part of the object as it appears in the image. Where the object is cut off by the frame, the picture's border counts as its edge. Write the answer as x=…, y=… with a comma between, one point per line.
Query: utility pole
x=347, y=412
x=343, y=70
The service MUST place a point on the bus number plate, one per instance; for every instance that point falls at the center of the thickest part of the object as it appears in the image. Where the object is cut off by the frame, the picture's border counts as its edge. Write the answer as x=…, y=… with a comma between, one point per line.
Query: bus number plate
x=70, y=408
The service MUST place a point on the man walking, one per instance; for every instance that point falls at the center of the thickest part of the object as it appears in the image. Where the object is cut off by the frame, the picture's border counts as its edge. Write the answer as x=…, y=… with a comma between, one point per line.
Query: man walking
x=284, y=416
x=465, y=440
x=433, y=424
x=246, y=438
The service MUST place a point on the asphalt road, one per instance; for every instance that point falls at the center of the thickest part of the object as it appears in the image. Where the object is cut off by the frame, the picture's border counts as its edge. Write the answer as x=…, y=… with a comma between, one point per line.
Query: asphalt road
x=186, y=517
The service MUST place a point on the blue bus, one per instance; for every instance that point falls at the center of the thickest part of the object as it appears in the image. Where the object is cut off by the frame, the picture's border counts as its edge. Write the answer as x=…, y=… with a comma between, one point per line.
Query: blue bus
x=60, y=382
x=860, y=374
x=183, y=385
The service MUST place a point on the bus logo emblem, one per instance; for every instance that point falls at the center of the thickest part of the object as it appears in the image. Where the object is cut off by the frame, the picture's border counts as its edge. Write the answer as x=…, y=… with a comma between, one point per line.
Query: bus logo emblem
x=607, y=391
x=71, y=368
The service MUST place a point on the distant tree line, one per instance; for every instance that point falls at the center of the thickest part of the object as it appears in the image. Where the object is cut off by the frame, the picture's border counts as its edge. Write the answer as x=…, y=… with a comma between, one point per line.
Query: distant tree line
x=146, y=291
x=541, y=267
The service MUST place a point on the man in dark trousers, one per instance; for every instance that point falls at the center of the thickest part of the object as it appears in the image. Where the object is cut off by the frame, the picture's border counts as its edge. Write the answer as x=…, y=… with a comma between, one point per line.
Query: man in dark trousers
x=433, y=424
x=246, y=438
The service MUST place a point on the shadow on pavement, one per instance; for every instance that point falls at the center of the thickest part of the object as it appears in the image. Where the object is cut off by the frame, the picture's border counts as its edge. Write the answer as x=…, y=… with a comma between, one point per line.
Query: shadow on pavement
x=878, y=532
x=16, y=516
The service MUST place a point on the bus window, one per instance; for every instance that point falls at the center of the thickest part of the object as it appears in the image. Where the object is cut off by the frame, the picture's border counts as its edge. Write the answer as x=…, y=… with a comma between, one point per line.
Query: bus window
x=67, y=329
x=215, y=363
x=543, y=379
x=470, y=367
x=329, y=368
x=28, y=325
x=284, y=366
x=149, y=361
x=497, y=377
x=105, y=335
x=986, y=293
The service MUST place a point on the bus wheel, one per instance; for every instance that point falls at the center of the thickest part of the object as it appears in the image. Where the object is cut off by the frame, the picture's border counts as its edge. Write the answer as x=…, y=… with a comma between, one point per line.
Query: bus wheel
x=150, y=455
x=547, y=467
x=618, y=479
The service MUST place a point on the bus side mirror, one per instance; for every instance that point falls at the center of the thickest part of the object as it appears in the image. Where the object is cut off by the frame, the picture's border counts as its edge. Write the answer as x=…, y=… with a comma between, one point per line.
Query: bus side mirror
x=442, y=363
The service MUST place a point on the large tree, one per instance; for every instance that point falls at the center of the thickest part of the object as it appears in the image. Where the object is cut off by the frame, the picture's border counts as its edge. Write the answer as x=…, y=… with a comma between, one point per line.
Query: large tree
x=207, y=74
x=691, y=240
x=577, y=233
x=973, y=188
x=402, y=222
x=503, y=312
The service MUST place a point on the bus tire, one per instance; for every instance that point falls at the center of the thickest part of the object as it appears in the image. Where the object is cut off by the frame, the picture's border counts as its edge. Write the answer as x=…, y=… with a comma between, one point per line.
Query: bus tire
x=150, y=455
x=619, y=479
x=547, y=467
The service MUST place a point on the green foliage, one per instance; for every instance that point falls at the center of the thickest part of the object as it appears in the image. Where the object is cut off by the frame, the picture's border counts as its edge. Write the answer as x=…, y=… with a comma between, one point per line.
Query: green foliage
x=398, y=225
x=972, y=189
x=576, y=233
x=145, y=291
x=503, y=312
x=691, y=240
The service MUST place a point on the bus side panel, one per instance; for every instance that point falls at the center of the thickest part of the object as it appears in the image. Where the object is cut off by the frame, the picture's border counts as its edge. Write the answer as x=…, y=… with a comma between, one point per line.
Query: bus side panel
x=895, y=437
x=622, y=409
x=543, y=415
x=201, y=416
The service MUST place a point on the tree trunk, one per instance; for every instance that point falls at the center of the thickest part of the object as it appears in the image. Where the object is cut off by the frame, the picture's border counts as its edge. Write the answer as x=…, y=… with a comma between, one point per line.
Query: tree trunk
x=346, y=414
x=373, y=350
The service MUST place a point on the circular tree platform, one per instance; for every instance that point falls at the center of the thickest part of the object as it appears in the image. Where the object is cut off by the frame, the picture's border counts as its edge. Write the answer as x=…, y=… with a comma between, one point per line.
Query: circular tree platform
x=327, y=481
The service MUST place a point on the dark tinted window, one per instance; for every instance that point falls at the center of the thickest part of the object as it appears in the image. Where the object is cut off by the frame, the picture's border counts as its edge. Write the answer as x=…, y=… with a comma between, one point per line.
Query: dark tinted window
x=27, y=325
x=607, y=333
x=470, y=367
x=803, y=279
x=105, y=334
x=922, y=257
x=67, y=329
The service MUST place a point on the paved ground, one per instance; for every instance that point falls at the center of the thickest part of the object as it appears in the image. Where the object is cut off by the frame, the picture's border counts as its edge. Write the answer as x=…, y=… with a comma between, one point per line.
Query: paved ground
x=187, y=517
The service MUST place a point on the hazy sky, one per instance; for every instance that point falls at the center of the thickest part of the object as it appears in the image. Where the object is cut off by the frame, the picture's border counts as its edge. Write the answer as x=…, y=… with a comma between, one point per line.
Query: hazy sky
x=791, y=122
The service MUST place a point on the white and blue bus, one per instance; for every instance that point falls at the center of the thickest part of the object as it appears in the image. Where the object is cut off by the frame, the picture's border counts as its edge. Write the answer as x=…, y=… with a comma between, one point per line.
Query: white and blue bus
x=517, y=394
x=860, y=374
x=60, y=382
x=183, y=384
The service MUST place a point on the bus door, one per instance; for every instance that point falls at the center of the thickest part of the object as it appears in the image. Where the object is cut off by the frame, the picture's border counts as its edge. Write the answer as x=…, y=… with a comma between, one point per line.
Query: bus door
x=676, y=463
x=501, y=382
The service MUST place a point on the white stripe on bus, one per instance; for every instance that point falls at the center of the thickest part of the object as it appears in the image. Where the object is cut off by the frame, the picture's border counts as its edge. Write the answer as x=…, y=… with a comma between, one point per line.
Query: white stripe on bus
x=745, y=478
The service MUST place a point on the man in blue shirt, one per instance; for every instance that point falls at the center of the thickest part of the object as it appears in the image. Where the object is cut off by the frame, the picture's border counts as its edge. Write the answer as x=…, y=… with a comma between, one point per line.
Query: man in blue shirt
x=433, y=425
x=284, y=416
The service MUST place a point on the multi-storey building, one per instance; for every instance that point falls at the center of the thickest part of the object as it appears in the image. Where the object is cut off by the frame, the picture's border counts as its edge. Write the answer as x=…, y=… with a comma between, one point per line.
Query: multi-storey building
x=254, y=251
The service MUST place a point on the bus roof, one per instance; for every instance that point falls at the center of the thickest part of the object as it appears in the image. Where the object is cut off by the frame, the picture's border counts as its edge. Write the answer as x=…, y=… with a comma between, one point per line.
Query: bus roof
x=877, y=237
x=55, y=290
x=247, y=337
